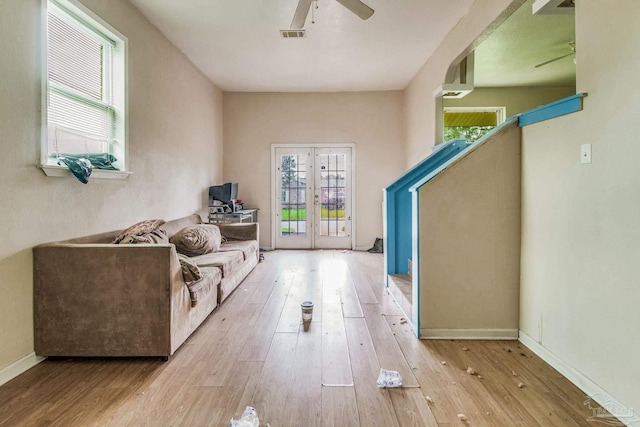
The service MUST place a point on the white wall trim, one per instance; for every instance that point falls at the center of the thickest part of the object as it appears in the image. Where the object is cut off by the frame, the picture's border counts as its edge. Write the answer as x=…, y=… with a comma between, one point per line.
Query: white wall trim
x=17, y=368
x=469, y=334
x=63, y=172
x=591, y=389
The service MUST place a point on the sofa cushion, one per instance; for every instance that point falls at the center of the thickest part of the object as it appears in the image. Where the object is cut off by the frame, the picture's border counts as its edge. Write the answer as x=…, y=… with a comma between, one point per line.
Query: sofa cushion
x=208, y=283
x=227, y=261
x=198, y=239
x=139, y=229
x=248, y=247
x=190, y=271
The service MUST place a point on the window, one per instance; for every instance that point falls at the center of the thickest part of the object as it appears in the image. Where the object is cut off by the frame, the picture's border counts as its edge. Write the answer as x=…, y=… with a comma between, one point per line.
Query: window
x=471, y=123
x=84, y=110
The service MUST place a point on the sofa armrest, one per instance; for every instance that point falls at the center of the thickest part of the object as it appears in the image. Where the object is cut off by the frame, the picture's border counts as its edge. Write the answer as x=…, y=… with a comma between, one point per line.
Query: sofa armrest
x=102, y=299
x=240, y=231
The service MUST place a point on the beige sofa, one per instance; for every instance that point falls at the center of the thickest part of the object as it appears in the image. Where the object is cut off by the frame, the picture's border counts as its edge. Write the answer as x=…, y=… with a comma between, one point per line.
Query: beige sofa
x=96, y=298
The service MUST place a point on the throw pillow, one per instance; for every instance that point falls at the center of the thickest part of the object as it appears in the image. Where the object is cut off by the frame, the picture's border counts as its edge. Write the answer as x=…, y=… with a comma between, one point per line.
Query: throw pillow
x=190, y=271
x=198, y=239
x=139, y=229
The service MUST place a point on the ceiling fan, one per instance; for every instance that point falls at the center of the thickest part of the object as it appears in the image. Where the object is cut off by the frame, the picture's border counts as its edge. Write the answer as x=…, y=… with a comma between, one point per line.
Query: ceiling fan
x=356, y=6
x=572, y=45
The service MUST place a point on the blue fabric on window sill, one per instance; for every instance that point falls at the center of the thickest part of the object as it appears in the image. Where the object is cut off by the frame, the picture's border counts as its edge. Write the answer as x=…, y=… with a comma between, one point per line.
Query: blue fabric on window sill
x=81, y=165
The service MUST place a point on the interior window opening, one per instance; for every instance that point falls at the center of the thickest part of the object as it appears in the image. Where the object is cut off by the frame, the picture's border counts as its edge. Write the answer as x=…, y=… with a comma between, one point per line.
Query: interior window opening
x=471, y=123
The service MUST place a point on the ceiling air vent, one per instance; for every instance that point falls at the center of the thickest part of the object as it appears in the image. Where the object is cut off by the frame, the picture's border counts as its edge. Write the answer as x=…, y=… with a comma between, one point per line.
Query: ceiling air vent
x=292, y=34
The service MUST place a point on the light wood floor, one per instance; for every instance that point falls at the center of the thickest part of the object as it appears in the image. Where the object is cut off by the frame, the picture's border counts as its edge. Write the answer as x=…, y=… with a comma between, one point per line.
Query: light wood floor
x=253, y=351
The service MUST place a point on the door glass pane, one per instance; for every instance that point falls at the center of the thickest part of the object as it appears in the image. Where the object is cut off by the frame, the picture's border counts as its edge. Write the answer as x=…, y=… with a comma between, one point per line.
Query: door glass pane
x=293, y=185
x=332, y=195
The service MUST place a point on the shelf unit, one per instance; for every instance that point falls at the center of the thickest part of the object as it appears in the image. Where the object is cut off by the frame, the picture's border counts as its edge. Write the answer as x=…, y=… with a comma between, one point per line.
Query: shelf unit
x=245, y=215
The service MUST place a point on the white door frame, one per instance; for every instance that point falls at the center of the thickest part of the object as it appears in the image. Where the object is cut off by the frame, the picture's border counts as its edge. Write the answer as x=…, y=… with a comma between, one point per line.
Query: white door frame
x=274, y=184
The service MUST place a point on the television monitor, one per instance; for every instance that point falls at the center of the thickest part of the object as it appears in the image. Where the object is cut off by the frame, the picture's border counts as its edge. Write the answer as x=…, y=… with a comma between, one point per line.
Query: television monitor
x=226, y=193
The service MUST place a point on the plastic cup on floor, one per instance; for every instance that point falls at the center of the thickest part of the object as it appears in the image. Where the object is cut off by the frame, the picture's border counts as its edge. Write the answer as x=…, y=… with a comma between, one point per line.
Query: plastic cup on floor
x=307, y=314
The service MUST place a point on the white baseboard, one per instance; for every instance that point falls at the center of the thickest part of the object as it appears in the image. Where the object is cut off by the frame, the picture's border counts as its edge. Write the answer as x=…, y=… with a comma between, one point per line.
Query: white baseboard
x=469, y=334
x=17, y=368
x=596, y=393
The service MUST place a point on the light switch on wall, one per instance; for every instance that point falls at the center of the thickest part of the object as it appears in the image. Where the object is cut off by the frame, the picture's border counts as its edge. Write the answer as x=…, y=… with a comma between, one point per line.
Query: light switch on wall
x=585, y=153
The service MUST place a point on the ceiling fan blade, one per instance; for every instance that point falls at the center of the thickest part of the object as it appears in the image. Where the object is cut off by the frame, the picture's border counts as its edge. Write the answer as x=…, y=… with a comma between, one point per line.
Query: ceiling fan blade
x=300, y=17
x=553, y=60
x=356, y=6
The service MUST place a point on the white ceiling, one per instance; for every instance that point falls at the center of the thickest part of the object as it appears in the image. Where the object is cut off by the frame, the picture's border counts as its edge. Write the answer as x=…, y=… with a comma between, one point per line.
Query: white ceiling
x=237, y=44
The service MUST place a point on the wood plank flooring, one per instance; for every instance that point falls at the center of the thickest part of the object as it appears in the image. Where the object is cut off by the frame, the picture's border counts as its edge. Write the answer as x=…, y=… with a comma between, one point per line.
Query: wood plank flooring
x=253, y=351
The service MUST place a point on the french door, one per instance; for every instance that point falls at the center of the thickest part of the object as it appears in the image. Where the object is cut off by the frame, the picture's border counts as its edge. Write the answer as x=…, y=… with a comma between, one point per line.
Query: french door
x=313, y=197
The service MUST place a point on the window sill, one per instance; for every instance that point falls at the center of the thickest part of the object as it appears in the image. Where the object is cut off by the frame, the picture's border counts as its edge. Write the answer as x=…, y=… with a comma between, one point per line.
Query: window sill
x=63, y=171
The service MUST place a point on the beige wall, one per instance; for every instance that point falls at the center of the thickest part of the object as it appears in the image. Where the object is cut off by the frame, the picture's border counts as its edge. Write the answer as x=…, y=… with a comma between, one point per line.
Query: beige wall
x=175, y=152
x=581, y=230
x=470, y=243
x=371, y=120
x=420, y=104
x=515, y=99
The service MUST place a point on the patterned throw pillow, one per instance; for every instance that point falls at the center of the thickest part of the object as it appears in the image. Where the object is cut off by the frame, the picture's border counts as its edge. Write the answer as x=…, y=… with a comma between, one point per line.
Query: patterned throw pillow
x=139, y=229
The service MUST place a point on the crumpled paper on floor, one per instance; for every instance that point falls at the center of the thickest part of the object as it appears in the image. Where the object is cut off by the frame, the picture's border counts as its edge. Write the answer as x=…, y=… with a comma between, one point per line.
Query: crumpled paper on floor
x=388, y=379
x=249, y=419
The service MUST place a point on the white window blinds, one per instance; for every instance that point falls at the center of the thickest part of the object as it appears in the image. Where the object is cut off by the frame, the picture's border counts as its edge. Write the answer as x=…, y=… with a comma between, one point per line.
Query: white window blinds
x=75, y=58
x=79, y=61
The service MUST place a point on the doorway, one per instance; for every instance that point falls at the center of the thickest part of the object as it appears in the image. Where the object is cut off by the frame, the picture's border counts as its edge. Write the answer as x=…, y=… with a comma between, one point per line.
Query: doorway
x=313, y=197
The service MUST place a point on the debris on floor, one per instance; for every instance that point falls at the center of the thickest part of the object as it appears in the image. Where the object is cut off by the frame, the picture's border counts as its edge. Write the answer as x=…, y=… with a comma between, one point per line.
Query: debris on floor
x=514, y=373
x=428, y=399
x=403, y=320
x=465, y=349
x=471, y=371
x=463, y=417
x=249, y=419
x=444, y=362
x=388, y=379
x=520, y=385
x=480, y=377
